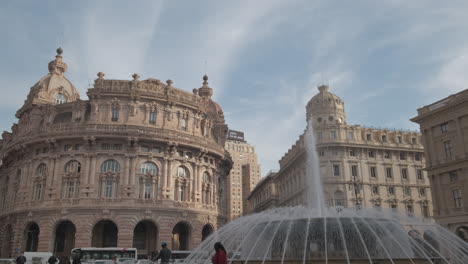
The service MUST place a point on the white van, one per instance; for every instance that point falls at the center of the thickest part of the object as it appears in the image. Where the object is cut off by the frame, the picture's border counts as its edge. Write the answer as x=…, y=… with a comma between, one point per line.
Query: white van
x=37, y=257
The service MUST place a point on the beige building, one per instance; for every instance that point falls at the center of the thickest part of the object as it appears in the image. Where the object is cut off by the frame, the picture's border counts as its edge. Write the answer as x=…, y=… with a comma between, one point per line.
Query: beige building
x=137, y=163
x=444, y=126
x=244, y=175
x=359, y=166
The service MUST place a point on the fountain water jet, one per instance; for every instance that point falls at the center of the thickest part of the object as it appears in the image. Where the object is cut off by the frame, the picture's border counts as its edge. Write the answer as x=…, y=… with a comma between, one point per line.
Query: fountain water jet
x=317, y=234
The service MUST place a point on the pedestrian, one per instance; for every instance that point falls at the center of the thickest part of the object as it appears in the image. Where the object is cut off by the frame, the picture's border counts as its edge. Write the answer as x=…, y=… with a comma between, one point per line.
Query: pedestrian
x=164, y=254
x=76, y=259
x=21, y=259
x=52, y=260
x=220, y=257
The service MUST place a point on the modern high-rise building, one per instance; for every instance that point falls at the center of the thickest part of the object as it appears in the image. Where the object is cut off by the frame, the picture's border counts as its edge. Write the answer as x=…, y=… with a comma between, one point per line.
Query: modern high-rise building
x=244, y=175
x=444, y=126
x=359, y=166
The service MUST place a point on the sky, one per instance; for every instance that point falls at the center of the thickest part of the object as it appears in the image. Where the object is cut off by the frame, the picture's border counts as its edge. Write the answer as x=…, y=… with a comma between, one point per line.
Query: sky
x=264, y=58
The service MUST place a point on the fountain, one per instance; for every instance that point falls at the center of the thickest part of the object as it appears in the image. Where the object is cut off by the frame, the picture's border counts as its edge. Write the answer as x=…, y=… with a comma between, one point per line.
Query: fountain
x=317, y=234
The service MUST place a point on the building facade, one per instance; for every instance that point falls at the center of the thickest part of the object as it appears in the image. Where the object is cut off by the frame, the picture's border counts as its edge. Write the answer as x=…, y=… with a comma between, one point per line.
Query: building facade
x=444, y=126
x=137, y=163
x=358, y=165
x=244, y=175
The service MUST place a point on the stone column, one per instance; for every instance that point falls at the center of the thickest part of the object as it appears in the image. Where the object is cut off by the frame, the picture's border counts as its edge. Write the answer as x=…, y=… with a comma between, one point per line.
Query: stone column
x=126, y=171
x=85, y=169
x=92, y=172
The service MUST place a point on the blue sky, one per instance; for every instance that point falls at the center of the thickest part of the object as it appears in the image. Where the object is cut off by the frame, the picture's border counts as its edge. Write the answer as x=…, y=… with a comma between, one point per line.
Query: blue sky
x=264, y=59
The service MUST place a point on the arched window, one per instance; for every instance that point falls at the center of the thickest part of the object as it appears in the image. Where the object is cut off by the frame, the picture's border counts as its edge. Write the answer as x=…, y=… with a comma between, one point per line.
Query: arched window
x=41, y=170
x=110, y=166
x=72, y=166
x=182, y=172
x=149, y=168
x=206, y=177
x=60, y=99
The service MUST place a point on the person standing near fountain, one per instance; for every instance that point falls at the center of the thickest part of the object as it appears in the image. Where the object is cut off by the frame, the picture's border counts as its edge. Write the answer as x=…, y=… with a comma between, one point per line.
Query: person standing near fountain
x=220, y=256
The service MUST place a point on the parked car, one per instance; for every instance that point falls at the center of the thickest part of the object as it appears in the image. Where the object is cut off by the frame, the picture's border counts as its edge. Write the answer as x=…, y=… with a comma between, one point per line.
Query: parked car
x=7, y=261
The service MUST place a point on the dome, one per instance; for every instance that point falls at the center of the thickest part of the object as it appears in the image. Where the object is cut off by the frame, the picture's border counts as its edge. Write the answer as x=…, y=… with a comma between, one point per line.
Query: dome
x=326, y=108
x=53, y=88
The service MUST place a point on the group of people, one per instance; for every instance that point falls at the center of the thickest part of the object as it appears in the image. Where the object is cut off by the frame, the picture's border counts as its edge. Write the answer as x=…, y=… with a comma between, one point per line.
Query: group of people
x=220, y=256
x=21, y=259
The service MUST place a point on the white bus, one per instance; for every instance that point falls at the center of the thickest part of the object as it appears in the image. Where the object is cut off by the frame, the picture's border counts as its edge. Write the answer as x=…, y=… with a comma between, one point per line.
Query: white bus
x=92, y=254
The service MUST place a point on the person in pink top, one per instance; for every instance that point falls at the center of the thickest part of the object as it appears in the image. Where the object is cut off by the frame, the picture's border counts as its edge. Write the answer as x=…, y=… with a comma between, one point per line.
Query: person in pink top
x=220, y=257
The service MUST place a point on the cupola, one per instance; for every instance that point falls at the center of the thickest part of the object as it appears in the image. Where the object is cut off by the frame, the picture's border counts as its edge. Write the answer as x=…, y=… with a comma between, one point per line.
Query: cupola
x=326, y=108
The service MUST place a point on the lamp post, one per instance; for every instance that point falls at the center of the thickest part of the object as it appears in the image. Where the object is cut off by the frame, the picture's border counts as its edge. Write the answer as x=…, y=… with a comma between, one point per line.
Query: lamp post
x=357, y=189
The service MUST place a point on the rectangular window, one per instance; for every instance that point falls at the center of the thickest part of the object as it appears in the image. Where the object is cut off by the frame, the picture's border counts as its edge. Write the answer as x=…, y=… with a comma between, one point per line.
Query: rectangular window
x=457, y=197
x=117, y=147
x=105, y=146
x=350, y=135
x=368, y=137
x=115, y=115
x=404, y=173
x=419, y=174
x=319, y=135
x=448, y=149
x=402, y=156
x=70, y=189
x=391, y=190
x=352, y=153
x=375, y=189
x=371, y=154
x=422, y=191
x=354, y=171
x=387, y=155
x=417, y=156
x=407, y=191
x=373, y=172
x=147, y=190
x=388, y=172
x=444, y=128
x=425, y=211
x=152, y=118
x=336, y=170
x=384, y=138
x=183, y=124
x=108, y=188
x=413, y=140
x=400, y=140
x=321, y=153
x=37, y=192
x=410, y=210
x=77, y=147
x=453, y=176
x=156, y=150
x=144, y=148
x=67, y=148
x=333, y=134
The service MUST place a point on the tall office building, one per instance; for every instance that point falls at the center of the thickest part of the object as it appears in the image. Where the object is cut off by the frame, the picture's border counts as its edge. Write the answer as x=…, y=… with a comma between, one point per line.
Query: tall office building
x=244, y=175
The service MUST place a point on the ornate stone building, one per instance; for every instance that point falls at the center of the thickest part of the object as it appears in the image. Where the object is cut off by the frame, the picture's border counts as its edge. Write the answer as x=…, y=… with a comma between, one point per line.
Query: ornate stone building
x=244, y=175
x=137, y=163
x=359, y=166
x=444, y=126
